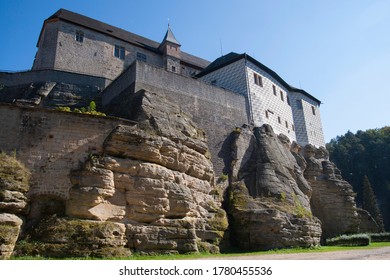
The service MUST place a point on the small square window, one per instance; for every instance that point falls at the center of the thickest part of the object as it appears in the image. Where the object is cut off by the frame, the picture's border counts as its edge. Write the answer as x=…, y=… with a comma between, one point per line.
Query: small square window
x=141, y=56
x=173, y=69
x=119, y=52
x=79, y=36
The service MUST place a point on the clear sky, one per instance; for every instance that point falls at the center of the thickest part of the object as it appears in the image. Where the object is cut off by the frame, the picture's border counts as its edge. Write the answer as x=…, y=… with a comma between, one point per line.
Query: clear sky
x=337, y=50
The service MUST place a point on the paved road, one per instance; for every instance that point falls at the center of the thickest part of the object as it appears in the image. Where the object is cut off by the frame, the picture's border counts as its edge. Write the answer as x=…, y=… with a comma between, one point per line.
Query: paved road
x=382, y=253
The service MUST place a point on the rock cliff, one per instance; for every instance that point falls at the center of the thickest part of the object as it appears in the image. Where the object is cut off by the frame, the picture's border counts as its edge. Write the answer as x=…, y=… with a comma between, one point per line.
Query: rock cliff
x=49, y=94
x=13, y=202
x=149, y=186
x=151, y=190
x=333, y=199
x=268, y=200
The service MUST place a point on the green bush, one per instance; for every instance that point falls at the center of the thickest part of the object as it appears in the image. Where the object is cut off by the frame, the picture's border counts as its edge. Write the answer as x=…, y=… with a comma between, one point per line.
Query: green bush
x=380, y=237
x=90, y=110
x=349, y=240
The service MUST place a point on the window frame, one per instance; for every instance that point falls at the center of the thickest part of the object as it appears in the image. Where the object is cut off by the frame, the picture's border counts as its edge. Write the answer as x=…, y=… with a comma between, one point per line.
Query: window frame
x=141, y=57
x=79, y=36
x=120, y=52
x=258, y=79
x=282, y=96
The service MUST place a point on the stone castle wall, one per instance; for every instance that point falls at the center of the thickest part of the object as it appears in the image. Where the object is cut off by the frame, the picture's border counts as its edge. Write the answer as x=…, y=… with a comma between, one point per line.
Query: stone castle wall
x=36, y=76
x=50, y=143
x=215, y=110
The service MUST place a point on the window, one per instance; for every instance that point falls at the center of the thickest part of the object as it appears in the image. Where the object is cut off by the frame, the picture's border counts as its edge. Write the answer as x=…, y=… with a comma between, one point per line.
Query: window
x=258, y=79
x=173, y=69
x=266, y=114
x=293, y=127
x=214, y=82
x=288, y=100
x=79, y=36
x=286, y=124
x=313, y=109
x=141, y=56
x=274, y=89
x=279, y=120
x=119, y=52
x=281, y=95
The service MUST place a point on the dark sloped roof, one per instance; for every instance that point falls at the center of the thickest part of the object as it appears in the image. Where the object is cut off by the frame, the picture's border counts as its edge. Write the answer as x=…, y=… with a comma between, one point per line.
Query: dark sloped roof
x=118, y=33
x=233, y=57
x=169, y=37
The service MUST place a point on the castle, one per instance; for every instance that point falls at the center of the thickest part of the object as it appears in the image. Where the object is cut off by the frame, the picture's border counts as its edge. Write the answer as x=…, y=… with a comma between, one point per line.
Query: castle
x=154, y=179
x=71, y=43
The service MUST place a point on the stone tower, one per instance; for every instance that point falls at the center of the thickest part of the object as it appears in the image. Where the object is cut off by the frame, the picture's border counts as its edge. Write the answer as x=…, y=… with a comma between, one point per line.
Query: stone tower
x=170, y=48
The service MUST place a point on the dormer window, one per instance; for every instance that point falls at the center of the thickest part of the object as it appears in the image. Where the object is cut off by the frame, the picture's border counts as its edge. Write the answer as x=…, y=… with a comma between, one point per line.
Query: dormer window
x=119, y=52
x=79, y=36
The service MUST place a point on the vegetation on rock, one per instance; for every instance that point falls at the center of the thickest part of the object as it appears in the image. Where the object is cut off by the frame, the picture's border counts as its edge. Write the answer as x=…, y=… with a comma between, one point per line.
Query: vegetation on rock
x=90, y=110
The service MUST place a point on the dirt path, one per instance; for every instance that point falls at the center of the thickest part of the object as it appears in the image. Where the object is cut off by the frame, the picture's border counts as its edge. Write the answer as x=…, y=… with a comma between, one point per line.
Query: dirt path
x=382, y=253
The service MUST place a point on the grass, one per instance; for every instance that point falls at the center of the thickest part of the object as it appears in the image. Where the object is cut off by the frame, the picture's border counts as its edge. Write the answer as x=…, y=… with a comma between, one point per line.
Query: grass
x=320, y=249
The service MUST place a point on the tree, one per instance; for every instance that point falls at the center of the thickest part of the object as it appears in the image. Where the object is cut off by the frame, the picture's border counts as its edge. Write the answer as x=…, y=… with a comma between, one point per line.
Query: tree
x=370, y=204
x=365, y=153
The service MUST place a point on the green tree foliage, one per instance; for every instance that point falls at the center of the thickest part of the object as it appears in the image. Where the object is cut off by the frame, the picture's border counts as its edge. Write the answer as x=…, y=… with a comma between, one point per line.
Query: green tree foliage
x=369, y=202
x=365, y=153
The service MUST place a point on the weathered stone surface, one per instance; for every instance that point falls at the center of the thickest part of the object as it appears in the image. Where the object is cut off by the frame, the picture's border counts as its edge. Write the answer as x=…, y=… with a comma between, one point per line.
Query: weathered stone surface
x=9, y=231
x=162, y=239
x=13, y=200
x=155, y=178
x=92, y=187
x=333, y=199
x=269, y=198
x=49, y=94
x=13, y=185
x=268, y=223
x=61, y=238
x=367, y=223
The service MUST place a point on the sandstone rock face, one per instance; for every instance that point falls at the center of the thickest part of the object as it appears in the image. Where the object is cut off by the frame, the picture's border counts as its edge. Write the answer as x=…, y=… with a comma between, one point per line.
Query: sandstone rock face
x=13, y=201
x=65, y=237
x=9, y=231
x=333, y=200
x=157, y=180
x=269, y=198
x=367, y=222
x=49, y=94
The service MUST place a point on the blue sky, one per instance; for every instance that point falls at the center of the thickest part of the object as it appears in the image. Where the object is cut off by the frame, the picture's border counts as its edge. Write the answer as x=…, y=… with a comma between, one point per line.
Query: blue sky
x=339, y=51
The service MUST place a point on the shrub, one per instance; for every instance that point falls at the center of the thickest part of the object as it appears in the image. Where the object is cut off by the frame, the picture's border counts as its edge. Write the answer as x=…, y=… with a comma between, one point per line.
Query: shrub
x=90, y=110
x=223, y=177
x=380, y=237
x=349, y=240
